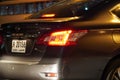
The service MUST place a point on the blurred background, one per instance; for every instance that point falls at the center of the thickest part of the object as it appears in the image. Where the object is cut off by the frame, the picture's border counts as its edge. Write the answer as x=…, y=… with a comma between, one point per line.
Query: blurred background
x=14, y=10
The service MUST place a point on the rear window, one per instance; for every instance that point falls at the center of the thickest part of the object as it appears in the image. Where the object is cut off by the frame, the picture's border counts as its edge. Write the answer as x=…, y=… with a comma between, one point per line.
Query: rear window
x=68, y=8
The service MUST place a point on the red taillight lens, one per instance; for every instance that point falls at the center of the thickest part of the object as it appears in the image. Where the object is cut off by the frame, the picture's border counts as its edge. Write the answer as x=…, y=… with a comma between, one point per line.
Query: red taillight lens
x=61, y=38
x=1, y=40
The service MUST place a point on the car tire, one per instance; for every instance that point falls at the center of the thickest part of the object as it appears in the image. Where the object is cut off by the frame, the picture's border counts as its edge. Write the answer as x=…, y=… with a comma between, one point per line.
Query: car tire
x=112, y=72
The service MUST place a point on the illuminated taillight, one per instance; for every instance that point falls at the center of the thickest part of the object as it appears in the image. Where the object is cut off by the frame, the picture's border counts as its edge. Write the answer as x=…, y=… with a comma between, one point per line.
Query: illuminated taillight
x=1, y=40
x=48, y=15
x=51, y=75
x=61, y=38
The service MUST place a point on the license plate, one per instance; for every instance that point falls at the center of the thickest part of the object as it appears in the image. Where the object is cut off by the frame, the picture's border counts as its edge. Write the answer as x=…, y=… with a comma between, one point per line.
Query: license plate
x=19, y=46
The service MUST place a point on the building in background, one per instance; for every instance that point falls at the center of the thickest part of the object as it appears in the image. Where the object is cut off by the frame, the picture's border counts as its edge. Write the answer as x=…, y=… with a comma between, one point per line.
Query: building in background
x=13, y=10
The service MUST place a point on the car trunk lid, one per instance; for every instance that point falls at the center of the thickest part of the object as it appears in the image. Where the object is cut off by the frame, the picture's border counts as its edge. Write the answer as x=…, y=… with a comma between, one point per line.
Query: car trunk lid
x=20, y=40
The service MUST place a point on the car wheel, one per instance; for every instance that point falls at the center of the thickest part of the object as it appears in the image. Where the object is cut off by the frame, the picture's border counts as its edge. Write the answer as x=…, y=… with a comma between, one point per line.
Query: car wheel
x=112, y=72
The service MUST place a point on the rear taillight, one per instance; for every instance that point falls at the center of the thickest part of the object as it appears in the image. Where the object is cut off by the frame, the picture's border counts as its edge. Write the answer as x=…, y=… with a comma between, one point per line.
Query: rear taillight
x=61, y=38
x=1, y=40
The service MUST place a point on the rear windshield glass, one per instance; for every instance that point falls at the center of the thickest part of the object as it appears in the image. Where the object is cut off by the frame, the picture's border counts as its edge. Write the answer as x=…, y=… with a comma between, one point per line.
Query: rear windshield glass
x=68, y=8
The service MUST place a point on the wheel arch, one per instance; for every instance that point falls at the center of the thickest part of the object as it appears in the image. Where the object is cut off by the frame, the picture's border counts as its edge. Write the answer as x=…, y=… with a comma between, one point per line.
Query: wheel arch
x=112, y=59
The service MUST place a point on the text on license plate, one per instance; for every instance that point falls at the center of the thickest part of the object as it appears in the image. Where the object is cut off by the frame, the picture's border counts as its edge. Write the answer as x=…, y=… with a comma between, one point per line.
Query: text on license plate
x=19, y=46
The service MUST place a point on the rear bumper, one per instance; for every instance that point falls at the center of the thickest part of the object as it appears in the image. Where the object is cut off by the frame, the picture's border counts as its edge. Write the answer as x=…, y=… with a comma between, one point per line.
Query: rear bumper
x=78, y=66
x=25, y=70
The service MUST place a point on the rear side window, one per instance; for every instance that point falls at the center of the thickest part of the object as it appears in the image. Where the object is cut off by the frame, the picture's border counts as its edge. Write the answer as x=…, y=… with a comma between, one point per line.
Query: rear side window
x=116, y=10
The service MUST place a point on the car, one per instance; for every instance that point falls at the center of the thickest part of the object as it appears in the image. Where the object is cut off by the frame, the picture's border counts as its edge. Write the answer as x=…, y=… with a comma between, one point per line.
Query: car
x=71, y=40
